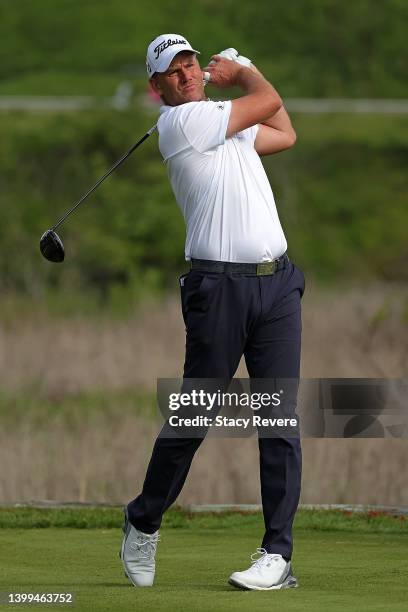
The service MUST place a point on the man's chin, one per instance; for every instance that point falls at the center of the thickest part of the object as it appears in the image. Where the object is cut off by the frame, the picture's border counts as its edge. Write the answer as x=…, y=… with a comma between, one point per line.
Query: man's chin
x=195, y=95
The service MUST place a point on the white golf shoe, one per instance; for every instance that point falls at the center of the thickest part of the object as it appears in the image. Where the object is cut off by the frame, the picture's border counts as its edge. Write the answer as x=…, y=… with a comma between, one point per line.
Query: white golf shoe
x=267, y=572
x=138, y=553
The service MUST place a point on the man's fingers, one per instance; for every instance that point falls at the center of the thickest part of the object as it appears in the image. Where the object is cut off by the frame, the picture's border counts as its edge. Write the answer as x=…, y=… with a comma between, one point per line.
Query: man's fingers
x=223, y=72
x=213, y=61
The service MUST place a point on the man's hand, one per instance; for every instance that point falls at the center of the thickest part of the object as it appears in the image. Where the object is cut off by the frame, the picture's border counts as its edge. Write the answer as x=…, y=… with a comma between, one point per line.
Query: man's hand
x=232, y=54
x=275, y=131
x=260, y=100
x=223, y=72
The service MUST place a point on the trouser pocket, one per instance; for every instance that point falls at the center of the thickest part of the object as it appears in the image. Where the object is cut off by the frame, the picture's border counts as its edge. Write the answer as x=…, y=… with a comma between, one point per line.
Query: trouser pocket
x=197, y=291
x=302, y=282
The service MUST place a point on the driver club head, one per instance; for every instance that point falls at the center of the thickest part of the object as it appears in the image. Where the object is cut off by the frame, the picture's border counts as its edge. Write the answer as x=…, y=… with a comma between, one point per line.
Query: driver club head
x=51, y=246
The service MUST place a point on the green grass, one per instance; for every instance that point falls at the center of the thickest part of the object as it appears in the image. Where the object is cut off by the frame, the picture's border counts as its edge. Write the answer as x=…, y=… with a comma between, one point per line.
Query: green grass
x=340, y=195
x=349, y=570
x=89, y=517
x=309, y=47
x=54, y=83
x=38, y=407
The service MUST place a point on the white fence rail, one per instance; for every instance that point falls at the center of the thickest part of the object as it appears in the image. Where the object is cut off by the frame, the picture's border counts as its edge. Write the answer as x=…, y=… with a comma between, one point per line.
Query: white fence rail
x=122, y=100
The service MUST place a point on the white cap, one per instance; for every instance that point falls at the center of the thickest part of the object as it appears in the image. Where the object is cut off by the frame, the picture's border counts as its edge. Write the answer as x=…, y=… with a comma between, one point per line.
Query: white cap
x=163, y=49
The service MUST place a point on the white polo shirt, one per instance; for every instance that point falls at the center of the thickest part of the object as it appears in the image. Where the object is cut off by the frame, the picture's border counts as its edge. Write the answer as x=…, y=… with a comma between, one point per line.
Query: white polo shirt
x=220, y=185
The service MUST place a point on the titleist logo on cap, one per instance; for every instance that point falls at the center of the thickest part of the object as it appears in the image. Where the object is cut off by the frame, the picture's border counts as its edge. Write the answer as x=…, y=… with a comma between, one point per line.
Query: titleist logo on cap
x=168, y=43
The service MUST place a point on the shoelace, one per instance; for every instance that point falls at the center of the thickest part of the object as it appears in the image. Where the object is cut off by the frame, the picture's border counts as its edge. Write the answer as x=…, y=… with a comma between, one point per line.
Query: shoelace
x=265, y=557
x=146, y=546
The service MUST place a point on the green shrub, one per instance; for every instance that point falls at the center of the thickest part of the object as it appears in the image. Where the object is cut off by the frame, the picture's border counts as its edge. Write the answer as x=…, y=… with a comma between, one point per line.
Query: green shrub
x=340, y=195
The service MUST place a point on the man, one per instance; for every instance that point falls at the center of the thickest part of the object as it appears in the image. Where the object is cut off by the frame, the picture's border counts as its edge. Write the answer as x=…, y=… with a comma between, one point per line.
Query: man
x=242, y=294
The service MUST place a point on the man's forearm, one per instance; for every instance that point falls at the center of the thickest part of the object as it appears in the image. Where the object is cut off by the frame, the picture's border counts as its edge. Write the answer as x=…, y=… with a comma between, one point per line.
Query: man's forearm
x=279, y=120
x=252, y=81
x=259, y=102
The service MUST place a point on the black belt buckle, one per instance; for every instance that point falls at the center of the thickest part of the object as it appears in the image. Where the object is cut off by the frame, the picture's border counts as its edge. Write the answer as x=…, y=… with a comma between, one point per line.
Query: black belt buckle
x=266, y=268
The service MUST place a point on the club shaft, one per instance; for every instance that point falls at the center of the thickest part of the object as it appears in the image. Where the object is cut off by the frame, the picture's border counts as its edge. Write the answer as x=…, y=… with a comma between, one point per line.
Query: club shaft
x=92, y=189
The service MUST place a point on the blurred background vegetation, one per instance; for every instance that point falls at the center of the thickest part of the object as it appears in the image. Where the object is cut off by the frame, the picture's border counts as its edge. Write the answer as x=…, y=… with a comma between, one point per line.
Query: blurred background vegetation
x=340, y=191
x=82, y=343
x=310, y=48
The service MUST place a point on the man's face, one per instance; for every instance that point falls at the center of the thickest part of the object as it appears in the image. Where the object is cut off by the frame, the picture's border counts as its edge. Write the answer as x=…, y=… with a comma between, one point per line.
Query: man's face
x=182, y=82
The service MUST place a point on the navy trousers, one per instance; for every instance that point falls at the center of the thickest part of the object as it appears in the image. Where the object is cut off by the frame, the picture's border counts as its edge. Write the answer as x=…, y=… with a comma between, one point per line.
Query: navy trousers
x=228, y=315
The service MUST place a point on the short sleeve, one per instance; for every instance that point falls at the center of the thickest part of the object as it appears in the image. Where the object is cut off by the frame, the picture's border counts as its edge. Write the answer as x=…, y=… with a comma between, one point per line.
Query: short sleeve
x=204, y=124
x=250, y=134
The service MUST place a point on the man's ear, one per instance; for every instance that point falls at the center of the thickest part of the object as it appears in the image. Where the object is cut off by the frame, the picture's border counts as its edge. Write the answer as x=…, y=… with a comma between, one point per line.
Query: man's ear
x=156, y=86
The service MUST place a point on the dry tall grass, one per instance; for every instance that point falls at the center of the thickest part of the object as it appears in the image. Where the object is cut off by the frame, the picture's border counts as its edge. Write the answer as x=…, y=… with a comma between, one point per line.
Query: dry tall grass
x=350, y=333
x=105, y=460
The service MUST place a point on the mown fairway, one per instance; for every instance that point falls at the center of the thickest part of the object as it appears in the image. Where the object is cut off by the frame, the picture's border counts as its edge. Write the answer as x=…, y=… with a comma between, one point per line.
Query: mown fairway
x=338, y=566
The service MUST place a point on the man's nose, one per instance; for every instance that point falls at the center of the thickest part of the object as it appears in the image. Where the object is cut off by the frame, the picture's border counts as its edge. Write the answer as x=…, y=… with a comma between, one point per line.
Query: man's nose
x=185, y=74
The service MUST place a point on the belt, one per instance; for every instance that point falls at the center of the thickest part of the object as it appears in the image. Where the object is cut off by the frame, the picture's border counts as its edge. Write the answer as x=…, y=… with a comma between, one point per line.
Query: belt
x=265, y=268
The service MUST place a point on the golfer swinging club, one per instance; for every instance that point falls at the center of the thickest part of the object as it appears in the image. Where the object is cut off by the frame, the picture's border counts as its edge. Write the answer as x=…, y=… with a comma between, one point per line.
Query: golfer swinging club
x=242, y=295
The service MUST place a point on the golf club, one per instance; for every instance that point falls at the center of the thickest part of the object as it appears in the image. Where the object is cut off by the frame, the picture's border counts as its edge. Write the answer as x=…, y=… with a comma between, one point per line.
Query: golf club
x=51, y=245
